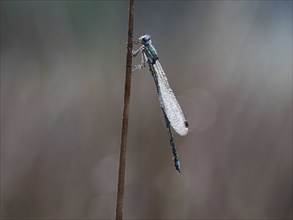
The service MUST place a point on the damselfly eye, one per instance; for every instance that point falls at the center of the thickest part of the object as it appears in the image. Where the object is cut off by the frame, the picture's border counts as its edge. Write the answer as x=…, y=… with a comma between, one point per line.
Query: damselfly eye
x=145, y=39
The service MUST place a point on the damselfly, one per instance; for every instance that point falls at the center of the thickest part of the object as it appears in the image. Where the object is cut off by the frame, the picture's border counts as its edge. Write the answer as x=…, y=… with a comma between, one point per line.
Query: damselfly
x=171, y=109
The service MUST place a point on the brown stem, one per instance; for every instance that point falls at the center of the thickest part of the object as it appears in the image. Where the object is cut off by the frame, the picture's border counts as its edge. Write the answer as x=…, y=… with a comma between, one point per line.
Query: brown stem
x=122, y=160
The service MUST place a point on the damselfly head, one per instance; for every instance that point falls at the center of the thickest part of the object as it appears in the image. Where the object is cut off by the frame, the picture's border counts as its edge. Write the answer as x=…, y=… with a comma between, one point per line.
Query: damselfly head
x=145, y=39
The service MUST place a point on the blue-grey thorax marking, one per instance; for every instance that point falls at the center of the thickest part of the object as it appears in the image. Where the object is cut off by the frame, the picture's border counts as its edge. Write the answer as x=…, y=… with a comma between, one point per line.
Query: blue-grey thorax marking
x=151, y=53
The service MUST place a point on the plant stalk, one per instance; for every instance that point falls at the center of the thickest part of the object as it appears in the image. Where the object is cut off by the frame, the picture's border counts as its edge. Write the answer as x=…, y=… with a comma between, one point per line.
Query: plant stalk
x=122, y=159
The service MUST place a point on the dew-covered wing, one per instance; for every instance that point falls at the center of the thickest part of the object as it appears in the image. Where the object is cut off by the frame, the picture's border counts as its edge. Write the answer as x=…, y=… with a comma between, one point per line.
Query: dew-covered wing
x=169, y=102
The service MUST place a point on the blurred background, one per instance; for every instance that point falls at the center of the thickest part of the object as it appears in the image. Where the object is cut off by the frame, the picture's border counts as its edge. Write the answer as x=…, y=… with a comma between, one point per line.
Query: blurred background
x=62, y=82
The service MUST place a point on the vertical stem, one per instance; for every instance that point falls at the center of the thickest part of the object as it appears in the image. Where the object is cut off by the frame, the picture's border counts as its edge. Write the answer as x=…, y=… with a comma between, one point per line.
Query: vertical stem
x=122, y=160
